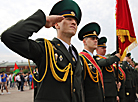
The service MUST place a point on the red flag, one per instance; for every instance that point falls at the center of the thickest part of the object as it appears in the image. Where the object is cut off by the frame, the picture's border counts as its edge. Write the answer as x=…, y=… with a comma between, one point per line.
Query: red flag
x=15, y=67
x=124, y=28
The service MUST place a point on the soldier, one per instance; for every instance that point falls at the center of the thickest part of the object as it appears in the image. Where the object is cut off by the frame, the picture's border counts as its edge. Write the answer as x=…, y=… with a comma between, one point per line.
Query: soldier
x=59, y=72
x=108, y=70
x=92, y=74
x=129, y=85
x=136, y=71
x=122, y=80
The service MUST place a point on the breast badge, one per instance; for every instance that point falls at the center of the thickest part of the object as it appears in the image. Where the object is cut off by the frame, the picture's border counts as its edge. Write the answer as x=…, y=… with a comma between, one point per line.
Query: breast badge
x=60, y=58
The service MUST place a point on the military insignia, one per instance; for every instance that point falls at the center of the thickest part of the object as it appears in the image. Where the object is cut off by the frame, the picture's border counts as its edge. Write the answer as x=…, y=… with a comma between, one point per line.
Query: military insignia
x=58, y=44
x=37, y=41
x=89, y=64
x=126, y=67
x=93, y=67
x=60, y=58
x=73, y=59
x=98, y=58
x=127, y=93
x=90, y=67
x=56, y=56
x=94, y=32
x=73, y=14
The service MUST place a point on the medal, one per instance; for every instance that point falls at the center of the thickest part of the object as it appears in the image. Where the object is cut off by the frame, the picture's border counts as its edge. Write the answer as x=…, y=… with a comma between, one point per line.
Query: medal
x=56, y=56
x=60, y=58
x=90, y=67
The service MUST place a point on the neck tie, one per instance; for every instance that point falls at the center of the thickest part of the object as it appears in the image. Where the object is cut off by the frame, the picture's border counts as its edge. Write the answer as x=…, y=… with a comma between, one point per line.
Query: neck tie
x=70, y=51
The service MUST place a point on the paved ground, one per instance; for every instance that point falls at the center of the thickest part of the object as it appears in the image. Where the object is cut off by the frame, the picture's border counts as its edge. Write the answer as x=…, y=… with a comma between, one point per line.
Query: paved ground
x=17, y=96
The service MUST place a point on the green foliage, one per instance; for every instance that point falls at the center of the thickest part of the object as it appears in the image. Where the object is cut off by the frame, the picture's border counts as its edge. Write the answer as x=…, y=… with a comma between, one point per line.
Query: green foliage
x=3, y=69
x=11, y=71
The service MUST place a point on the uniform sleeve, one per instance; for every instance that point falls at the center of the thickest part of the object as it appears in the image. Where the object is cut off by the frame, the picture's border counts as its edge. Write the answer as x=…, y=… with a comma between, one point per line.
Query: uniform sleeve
x=123, y=65
x=107, y=62
x=17, y=37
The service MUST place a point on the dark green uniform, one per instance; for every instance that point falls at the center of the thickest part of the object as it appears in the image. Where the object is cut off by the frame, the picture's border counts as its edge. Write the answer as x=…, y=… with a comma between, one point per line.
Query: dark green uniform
x=129, y=85
x=50, y=89
x=108, y=77
x=92, y=86
x=92, y=74
x=122, y=79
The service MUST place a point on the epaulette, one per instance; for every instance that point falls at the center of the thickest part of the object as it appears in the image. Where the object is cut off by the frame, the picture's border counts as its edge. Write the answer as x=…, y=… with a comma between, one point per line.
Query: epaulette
x=38, y=40
x=34, y=72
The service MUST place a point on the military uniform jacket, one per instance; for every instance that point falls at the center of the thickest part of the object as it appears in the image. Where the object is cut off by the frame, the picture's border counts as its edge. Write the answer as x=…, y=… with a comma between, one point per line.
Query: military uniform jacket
x=108, y=75
x=128, y=71
x=93, y=90
x=122, y=79
x=50, y=90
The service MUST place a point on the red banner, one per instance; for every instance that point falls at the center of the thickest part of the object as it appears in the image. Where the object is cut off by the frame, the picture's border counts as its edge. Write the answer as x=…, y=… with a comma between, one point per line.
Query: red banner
x=124, y=28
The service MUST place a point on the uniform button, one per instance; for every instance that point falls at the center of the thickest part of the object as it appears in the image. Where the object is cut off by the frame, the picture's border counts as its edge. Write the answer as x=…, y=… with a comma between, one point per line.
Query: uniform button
x=74, y=90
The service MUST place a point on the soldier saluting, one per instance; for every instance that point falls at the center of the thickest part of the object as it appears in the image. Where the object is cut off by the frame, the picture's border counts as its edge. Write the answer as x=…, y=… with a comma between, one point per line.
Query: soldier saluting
x=59, y=72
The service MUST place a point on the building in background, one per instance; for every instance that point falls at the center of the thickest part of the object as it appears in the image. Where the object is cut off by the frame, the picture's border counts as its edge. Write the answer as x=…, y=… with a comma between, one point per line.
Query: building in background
x=9, y=66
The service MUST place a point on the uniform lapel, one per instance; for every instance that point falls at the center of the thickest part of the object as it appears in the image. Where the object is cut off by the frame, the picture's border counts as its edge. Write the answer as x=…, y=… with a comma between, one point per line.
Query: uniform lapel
x=60, y=46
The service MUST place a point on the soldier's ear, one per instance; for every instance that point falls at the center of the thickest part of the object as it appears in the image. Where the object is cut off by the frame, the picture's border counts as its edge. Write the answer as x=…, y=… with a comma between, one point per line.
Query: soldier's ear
x=57, y=26
x=84, y=41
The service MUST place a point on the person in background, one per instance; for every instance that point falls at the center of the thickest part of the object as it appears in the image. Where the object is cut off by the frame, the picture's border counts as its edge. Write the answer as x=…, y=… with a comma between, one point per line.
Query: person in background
x=10, y=80
x=18, y=81
x=36, y=84
x=30, y=81
x=25, y=77
x=0, y=80
x=22, y=81
x=4, y=82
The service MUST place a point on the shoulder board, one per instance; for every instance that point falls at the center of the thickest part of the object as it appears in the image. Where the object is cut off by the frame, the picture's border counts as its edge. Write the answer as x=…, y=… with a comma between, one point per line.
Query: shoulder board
x=34, y=72
x=39, y=40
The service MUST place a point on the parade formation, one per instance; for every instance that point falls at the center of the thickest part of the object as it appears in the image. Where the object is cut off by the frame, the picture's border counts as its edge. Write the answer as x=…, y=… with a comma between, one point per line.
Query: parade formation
x=62, y=74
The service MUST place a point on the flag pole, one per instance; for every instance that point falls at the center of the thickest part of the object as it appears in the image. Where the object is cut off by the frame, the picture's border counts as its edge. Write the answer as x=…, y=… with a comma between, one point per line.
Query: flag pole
x=117, y=50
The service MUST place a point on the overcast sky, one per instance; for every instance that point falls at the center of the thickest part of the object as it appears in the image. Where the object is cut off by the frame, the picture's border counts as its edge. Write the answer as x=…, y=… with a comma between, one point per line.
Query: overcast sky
x=100, y=11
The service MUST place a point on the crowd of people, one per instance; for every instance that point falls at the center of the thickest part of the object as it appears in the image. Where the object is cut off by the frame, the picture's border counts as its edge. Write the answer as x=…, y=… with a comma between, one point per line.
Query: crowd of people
x=19, y=81
x=64, y=75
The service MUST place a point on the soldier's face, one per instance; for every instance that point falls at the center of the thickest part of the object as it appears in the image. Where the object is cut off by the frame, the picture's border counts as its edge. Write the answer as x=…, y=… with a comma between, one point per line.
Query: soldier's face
x=90, y=43
x=101, y=50
x=68, y=26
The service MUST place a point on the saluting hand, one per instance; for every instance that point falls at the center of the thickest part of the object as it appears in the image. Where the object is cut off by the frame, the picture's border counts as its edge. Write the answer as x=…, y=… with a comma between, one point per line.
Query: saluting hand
x=52, y=20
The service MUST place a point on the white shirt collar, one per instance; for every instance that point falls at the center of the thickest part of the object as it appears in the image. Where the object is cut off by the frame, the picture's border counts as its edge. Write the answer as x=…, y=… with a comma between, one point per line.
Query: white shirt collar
x=67, y=47
x=65, y=44
x=89, y=52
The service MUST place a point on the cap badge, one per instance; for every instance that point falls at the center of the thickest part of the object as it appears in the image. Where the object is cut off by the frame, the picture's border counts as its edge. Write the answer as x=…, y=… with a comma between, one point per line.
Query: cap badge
x=73, y=14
